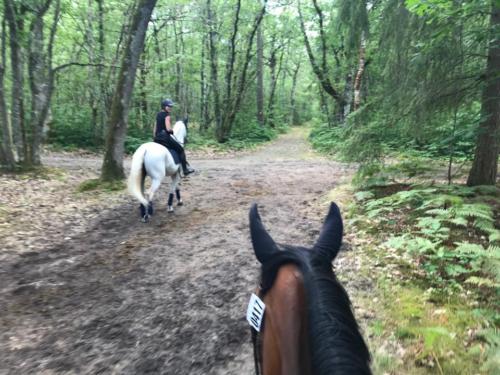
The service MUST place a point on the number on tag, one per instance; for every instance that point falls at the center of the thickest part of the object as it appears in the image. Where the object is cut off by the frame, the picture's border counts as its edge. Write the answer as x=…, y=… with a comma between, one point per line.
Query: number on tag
x=255, y=312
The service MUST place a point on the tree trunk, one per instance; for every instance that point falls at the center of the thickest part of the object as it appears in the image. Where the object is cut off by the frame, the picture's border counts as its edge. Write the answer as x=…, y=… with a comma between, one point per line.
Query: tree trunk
x=100, y=72
x=359, y=74
x=112, y=168
x=178, y=68
x=275, y=67
x=185, y=106
x=348, y=90
x=159, y=54
x=294, y=116
x=234, y=103
x=143, y=101
x=214, y=78
x=321, y=71
x=485, y=164
x=204, y=120
x=15, y=20
x=37, y=72
x=41, y=76
x=325, y=108
x=260, y=76
x=224, y=128
x=7, y=159
x=94, y=97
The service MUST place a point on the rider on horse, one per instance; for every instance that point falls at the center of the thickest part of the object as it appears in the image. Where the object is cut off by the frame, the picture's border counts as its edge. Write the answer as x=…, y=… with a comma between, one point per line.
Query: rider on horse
x=163, y=134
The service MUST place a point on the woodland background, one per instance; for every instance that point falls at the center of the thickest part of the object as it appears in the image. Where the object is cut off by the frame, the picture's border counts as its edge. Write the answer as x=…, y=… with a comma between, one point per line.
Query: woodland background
x=373, y=77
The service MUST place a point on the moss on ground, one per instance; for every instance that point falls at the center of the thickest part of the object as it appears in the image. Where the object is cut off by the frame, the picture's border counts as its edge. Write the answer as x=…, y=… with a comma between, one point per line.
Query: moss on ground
x=99, y=185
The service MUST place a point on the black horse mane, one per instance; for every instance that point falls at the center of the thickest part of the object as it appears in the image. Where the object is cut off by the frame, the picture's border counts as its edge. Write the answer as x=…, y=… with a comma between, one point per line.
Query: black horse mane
x=337, y=346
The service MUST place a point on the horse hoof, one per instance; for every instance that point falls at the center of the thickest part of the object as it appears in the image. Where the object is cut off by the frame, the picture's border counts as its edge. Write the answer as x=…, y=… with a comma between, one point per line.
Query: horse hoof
x=170, y=210
x=145, y=218
x=180, y=203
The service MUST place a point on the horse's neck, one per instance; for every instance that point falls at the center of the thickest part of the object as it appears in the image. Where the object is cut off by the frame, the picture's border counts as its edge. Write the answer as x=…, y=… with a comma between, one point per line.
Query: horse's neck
x=285, y=338
x=180, y=132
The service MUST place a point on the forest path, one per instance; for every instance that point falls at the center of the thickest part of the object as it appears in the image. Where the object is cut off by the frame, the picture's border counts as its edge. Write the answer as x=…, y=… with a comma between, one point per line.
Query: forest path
x=167, y=297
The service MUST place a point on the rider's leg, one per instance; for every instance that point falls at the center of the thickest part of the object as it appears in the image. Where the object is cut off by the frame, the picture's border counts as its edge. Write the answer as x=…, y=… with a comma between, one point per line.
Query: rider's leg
x=185, y=169
x=182, y=156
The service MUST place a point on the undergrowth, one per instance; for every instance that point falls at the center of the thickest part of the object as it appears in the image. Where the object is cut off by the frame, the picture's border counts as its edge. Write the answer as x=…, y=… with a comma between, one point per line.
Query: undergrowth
x=245, y=136
x=434, y=251
x=440, y=248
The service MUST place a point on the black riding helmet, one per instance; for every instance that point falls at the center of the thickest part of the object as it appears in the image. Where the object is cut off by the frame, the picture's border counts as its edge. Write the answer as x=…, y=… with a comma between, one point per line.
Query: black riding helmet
x=167, y=103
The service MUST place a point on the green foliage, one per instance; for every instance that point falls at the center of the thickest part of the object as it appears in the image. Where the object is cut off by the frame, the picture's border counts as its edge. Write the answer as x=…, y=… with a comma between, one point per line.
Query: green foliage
x=492, y=337
x=75, y=131
x=423, y=57
x=448, y=229
x=326, y=139
x=97, y=184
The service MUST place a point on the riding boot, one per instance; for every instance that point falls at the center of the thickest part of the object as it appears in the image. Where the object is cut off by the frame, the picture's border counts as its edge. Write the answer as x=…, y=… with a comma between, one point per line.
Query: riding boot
x=185, y=168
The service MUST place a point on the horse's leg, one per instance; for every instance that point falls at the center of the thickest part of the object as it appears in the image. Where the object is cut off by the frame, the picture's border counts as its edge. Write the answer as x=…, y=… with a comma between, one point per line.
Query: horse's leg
x=178, y=196
x=173, y=189
x=146, y=212
x=149, y=209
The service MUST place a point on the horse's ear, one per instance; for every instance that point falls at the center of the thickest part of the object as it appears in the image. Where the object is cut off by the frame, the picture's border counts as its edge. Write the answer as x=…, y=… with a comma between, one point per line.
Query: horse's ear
x=185, y=121
x=263, y=245
x=330, y=238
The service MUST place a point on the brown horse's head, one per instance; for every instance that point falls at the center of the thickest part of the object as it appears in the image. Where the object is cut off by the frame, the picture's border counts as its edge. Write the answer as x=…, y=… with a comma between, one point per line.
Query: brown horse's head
x=308, y=327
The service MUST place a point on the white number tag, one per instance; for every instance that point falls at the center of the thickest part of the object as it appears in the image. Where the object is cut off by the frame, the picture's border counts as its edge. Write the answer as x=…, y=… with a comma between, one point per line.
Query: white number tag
x=255, y=312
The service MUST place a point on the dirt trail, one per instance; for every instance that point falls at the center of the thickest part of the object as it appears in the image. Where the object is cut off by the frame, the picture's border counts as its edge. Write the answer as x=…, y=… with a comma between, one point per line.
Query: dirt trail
x=167, y=297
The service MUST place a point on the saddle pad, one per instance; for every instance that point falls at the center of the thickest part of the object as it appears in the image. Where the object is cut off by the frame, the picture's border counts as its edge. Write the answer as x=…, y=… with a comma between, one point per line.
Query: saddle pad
x=175, y=155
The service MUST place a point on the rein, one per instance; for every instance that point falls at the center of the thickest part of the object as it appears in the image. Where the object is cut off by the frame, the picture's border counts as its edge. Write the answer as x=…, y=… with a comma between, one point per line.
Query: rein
x=257, y=341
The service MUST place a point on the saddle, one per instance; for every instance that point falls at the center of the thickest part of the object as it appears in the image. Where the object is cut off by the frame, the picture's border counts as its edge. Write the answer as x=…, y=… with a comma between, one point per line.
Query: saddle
x=164, y=139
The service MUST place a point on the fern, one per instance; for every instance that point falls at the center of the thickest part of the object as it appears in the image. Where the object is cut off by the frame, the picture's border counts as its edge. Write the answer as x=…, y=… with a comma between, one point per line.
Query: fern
x=443, y=199
x=377, y=212
x=420, y=245
x=364, y=195
x=484, y=226
x=454, y=270
x=482, y=281
x=374, y=204
x=493, y=252
x=429, y=222
x=398, y=242
x=438, y=215
x=487, y=190
x=466, y=248
x=494, y=236
x=441, y=212
x=458, y=221
x=476, y=210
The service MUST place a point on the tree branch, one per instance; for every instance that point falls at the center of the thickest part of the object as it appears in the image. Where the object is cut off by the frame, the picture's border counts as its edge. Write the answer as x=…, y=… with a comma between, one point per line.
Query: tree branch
x=64, y=66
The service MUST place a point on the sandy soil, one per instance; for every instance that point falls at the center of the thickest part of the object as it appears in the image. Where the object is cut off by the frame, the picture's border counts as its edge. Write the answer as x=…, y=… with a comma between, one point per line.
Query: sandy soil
x=86, y=288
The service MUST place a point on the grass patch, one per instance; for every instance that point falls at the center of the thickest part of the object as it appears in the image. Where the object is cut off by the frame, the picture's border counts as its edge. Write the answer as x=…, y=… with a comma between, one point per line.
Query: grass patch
x=99, y=185
x=442, y=338
x=24, y=172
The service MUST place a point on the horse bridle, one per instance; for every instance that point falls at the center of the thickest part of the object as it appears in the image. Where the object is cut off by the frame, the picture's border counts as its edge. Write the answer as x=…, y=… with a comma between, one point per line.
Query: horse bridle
x=257, y=340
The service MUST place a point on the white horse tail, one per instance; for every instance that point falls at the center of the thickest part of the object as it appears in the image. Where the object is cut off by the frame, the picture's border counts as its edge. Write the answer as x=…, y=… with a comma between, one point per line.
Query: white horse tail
x=138, y=175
